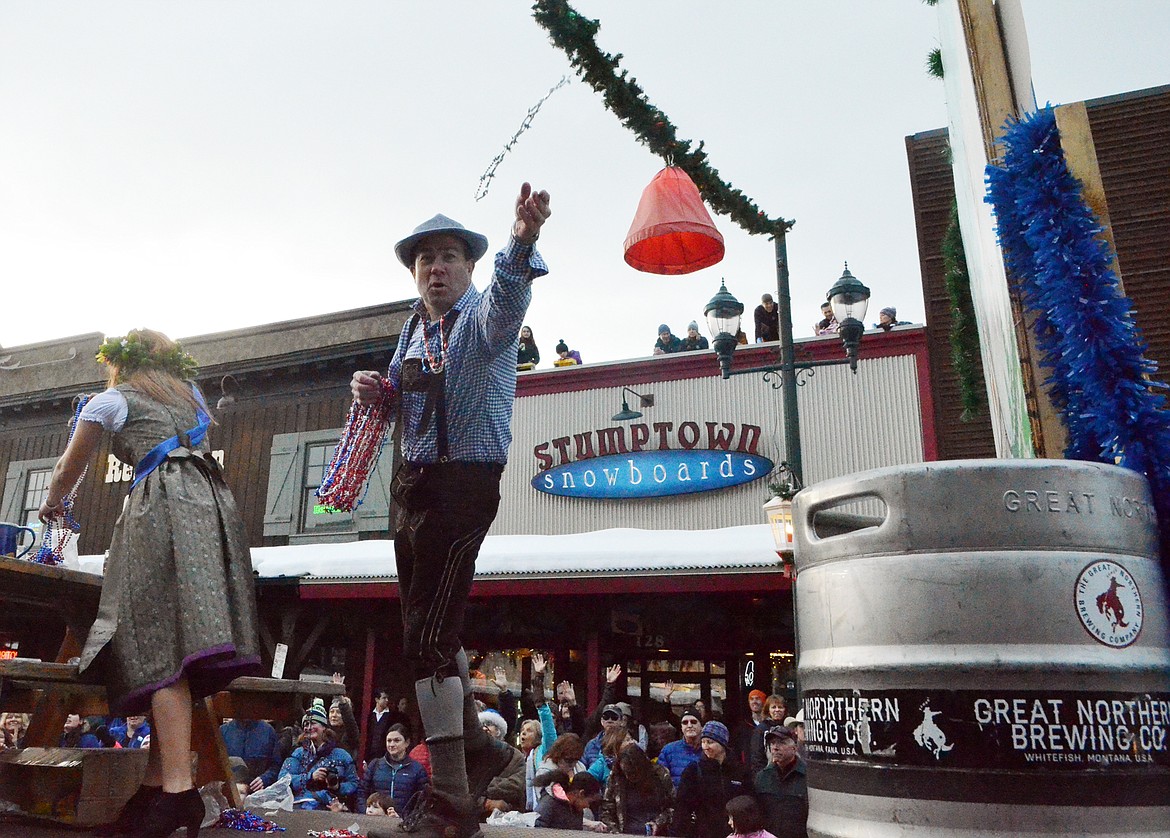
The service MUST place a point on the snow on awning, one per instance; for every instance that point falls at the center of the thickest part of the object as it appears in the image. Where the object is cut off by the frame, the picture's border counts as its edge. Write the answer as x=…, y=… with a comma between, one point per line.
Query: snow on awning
x=600, y=553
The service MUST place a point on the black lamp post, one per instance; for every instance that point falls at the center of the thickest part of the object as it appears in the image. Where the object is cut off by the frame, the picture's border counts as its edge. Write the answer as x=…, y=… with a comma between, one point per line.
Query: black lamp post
x=849, y=298
x=723, y=313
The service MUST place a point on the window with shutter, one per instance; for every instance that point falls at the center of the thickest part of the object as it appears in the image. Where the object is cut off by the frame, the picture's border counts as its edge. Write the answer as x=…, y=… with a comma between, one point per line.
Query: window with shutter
x=296, y=466
x=25, y=483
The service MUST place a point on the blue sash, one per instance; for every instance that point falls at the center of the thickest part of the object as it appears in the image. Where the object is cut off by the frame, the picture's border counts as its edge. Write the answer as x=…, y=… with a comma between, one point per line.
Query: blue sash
x=156, y=455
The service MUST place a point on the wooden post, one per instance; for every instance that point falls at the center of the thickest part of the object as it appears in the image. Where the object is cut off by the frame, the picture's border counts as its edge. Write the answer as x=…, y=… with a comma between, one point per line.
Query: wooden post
x=207, y=743
x=593, y=669
x=368, y=686
x=996, y=102
x=1080, y=153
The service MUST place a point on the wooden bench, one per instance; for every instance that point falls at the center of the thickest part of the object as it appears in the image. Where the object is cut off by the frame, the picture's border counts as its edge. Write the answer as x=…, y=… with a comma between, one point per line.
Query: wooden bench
x=50, y=691
x=71, y=595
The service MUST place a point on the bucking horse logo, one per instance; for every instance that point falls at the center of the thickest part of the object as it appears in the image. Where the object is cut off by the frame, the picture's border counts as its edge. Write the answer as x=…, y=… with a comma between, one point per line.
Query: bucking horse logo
x=929, y=735
x=1109, y=604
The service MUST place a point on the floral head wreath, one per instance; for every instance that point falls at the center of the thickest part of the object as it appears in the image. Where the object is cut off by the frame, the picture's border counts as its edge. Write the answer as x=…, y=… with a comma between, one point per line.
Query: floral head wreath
x=130, y=354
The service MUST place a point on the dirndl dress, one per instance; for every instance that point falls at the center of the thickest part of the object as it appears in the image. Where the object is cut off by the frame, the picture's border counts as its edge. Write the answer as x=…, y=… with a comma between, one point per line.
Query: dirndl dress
x=178, y=596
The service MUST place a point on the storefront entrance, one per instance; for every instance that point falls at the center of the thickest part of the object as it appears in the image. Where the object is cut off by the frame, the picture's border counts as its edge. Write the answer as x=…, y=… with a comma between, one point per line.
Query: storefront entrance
x=676, y=682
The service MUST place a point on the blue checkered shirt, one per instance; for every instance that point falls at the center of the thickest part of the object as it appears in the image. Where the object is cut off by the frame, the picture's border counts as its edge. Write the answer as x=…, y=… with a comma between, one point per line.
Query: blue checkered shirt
x=480, y=363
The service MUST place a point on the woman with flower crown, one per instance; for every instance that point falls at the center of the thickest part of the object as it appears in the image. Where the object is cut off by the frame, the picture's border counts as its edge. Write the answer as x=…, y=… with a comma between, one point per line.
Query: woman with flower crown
x=177, y=618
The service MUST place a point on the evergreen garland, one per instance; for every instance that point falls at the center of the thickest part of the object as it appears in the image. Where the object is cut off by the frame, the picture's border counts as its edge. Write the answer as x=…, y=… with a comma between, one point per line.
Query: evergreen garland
x=934, y=65
x=575, y=34
x=1085, y=328
x=964, y=335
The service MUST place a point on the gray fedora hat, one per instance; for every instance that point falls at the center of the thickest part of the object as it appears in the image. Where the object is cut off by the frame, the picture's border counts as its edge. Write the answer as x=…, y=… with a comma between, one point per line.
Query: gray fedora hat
x=476, y=244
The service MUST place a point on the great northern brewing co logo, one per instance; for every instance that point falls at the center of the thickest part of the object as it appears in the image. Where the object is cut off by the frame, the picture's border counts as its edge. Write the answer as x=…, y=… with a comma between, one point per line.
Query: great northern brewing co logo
x=1109, y=603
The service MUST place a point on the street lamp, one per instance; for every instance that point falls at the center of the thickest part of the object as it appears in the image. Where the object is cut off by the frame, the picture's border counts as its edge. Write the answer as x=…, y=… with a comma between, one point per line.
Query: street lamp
x=723, y=313
x=849, y=298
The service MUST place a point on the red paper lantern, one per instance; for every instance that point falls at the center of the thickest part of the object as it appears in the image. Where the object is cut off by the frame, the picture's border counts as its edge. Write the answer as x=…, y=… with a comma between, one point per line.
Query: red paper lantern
x=672, y=232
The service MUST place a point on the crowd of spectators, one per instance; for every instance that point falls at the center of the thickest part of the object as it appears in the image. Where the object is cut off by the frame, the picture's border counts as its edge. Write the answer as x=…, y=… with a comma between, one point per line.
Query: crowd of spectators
x=661, y=770
x=766, y=319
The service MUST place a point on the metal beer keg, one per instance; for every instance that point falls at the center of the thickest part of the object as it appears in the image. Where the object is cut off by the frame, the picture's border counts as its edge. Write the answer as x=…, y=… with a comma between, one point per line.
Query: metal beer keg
x=993, y=658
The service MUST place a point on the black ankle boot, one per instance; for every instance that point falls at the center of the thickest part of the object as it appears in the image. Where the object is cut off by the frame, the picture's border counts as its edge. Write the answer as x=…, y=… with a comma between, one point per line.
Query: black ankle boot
x=171, y=812
x=130, y=818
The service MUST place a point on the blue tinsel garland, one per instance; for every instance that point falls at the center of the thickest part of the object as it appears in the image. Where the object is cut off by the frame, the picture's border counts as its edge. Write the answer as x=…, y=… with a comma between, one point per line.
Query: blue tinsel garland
x=1085, y=326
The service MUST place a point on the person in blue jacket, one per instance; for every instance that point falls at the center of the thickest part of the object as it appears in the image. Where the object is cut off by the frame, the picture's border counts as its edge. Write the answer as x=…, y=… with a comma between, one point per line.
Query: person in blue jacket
x=395, y=774
x=77, y=734
x=258, y=744
x=131, y=732
x=677, y=755
x=322, y=774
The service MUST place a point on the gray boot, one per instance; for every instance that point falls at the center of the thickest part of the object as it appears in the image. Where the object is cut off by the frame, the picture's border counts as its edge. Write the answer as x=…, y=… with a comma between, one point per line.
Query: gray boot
x=486, y=756
x=437, y=813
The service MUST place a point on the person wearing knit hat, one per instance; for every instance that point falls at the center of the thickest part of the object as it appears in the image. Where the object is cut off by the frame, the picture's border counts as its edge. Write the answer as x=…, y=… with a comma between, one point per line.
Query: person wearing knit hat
x=694, y=341
x=708, y=784
x=667, y=344
x=716, y=732
x=322, y=775
x=680, y=753
x=316, y=714
x=566, y=357
x=744, y=729
x=775, y=709
x=888, y=319
x=493, y=723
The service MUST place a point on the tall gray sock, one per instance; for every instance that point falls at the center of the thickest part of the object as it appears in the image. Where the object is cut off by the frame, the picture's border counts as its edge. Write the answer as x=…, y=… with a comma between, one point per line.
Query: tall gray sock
x=474, y=737
x=439, y=704
x=449, y=767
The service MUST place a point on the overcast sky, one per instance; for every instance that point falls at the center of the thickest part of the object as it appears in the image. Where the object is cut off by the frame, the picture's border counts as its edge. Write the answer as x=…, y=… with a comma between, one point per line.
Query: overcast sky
x=204, y=166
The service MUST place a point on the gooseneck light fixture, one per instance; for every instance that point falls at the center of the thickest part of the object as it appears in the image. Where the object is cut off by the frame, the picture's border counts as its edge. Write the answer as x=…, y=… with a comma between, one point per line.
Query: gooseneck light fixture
x=626, y=415
x=227, y=399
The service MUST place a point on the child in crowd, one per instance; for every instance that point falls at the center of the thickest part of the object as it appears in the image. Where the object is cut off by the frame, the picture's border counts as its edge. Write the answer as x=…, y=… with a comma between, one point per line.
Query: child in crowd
x=568, y=798
x=745, y=818
x=566, y=357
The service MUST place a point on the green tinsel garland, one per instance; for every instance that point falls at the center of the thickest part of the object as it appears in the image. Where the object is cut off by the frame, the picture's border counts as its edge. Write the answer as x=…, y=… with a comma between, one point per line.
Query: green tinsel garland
x=964, y=336
x=574, y=33
x=934, y=65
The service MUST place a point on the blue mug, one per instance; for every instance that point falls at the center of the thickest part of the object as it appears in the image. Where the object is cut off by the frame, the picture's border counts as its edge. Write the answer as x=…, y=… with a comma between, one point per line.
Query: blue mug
x=10, y=536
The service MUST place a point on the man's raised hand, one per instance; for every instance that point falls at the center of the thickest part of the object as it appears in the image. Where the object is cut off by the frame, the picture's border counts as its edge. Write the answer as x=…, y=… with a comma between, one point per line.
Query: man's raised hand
x=532, y=210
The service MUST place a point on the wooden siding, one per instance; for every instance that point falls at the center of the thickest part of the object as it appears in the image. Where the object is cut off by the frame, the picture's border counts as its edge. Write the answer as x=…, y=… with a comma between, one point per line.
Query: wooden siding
x=1132, y=136
x=933, y=192
x=296, y=400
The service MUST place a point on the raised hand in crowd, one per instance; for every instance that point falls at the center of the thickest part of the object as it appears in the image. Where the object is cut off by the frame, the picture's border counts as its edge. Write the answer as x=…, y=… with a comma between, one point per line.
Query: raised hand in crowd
x=566, y=693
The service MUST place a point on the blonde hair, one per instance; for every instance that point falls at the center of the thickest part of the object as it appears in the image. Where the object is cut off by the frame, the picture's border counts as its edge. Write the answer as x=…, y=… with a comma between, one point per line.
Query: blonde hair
x=23, y=718
x=162, y=385
x=535, y=725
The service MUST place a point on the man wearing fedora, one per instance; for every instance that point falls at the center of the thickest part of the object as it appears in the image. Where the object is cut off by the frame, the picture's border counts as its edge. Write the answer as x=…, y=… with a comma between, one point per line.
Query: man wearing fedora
x=453, y=381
